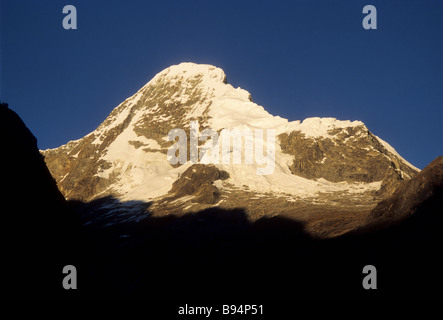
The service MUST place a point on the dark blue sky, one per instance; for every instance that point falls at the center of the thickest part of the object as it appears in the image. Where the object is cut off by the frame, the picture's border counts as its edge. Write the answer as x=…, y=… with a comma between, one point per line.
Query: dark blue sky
x=297, y=58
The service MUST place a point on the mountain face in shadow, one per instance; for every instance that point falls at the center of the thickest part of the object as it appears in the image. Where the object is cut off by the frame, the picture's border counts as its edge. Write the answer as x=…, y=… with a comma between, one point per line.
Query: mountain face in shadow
x=39, y=233
x=220, y=254
x=424, y=192
x=403, y=235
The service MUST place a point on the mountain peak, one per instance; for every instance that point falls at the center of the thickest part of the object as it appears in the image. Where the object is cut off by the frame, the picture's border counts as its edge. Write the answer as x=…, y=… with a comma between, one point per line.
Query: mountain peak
x=126, y=156
x=189, y=70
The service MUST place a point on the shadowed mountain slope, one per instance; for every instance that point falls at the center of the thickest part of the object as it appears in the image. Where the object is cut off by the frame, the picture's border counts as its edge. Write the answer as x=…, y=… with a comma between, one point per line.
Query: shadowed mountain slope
x=40, y=234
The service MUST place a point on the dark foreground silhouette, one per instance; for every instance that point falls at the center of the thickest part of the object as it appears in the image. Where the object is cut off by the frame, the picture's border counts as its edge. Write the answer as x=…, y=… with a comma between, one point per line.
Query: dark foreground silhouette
x=212, y=254
x=218, y=254
x=39, y=234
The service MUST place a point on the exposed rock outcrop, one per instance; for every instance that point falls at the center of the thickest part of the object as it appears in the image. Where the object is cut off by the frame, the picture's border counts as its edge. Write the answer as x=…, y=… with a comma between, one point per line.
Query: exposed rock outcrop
x=197, y=181
x=352, y=154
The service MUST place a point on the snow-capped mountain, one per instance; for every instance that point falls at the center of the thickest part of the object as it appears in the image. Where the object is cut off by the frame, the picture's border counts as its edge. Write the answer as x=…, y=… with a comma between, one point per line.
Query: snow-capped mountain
x=317, y=162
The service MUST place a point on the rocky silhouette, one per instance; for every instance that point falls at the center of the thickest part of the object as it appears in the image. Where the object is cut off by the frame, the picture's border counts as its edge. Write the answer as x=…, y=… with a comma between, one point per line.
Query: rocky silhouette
x=40, y=234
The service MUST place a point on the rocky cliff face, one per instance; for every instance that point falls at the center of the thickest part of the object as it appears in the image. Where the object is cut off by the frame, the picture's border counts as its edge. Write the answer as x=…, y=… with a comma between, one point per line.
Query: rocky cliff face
x=351, y=154
x=321, y=164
